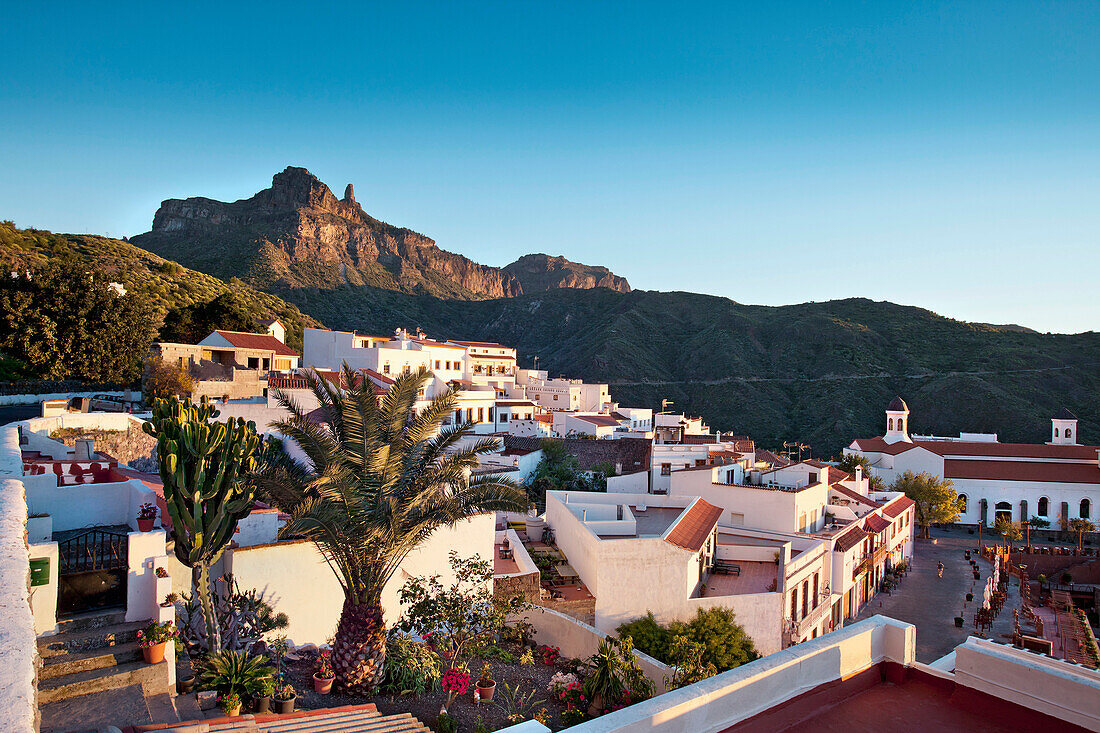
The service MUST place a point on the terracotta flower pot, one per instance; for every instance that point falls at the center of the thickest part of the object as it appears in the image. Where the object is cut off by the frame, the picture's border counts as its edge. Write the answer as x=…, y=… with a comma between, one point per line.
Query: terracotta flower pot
x=146, y=525
x=486, y=692
x=282, y=707
x=322, y=685
x=154, y=654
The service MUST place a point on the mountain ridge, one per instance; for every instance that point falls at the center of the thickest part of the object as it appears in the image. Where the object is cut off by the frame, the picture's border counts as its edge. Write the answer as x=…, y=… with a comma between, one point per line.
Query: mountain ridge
x=297, y=234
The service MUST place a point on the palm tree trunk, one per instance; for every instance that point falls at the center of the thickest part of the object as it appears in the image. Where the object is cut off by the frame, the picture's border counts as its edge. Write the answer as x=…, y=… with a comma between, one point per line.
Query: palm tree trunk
x=359, y=651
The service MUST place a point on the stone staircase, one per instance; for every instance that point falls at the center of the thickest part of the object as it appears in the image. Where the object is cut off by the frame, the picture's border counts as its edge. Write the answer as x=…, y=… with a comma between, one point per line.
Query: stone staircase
x=93, y=653
x=348, y=719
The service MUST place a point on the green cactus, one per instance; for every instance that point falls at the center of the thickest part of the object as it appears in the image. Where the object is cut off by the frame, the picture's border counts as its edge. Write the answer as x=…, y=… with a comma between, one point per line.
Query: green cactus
x=202, y=465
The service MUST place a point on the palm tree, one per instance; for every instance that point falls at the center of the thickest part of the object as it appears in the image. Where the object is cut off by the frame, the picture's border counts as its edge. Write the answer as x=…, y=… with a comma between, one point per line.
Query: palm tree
x=382, y=478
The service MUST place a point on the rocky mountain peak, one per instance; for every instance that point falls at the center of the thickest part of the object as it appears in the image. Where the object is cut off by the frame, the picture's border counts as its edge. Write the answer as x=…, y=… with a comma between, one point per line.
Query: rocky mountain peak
x=538, y=272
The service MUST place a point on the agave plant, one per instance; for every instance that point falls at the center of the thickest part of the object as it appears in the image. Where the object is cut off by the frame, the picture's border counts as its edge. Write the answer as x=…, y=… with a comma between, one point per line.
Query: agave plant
x=233, y=672
x=382, y=477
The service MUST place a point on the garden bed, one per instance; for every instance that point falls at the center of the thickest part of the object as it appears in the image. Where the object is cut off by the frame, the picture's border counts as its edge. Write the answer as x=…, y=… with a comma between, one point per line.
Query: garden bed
x=524, y=677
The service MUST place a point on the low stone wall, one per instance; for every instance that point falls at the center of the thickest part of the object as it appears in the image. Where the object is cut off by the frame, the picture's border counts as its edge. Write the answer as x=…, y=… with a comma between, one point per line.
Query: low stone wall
x=525, y=586
x=582, y=609
x=125, y=445
x=18, y=651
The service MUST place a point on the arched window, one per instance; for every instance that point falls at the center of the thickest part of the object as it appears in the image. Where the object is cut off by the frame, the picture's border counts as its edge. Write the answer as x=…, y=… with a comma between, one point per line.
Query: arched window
x=1003, y=510
x=1055, y=432
x=962, y=503
x=901, y=424
x=1044, y=506
x=1069, y=433
x=891, y=424
x=1084, y=513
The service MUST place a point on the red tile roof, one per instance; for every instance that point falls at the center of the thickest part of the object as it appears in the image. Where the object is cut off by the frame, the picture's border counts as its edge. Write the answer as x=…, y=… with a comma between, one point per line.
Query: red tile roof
x=875, y=524
x=491, y=356
x=764, y=455
x=699, y=439
x=1063, y=473
x=977, y=448
x=435, y=344
x=898, y=507
x=480, y=343
x=377, y=376
x=603, y=421
x=854, y=495
x=515, y=403
x=815, y=463
x=835, y=474
x=258, y=341
x=694, y=526
x=849, y=538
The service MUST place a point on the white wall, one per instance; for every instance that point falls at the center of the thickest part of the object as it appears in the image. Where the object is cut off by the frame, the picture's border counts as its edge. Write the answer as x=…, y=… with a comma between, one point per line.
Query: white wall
x=631, y=483
x=300, y=584
x=726, y=699
x=44, y=597
x=18, y=651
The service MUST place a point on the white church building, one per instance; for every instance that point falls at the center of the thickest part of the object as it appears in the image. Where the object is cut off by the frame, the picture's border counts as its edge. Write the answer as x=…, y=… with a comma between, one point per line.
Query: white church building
x=1055, y=481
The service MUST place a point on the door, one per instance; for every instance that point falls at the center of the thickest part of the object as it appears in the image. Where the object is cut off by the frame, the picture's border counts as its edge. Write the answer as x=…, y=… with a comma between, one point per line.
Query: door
x=92, y=571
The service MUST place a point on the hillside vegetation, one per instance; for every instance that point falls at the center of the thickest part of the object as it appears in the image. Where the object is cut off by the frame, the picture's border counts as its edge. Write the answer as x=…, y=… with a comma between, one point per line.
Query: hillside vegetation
x=162, y=283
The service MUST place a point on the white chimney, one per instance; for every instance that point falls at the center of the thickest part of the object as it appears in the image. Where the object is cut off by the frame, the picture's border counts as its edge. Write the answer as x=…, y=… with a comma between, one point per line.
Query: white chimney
x=84, y=449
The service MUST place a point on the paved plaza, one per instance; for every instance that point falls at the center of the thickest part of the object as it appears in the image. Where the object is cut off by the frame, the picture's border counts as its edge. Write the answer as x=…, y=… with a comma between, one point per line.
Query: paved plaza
x=931, y=603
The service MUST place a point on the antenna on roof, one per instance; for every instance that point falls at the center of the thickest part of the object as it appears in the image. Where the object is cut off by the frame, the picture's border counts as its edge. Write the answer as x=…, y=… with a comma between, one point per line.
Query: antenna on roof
x=790, y=448
x=664, y=406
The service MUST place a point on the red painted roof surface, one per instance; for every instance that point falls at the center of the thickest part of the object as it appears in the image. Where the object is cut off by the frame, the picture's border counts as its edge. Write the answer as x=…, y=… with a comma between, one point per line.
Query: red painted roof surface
x=1063, y=473
x=695, y=526
x=896, y=508
x=835, y=474
x=603, y=421
x=259, y=341
x=875, y=524
x=991, y=450
x=481, y=343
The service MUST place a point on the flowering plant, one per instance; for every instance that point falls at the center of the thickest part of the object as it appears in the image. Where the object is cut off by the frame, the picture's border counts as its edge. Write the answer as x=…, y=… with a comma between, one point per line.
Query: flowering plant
x=157, y=633
x=572, y=697
x=560, y=681
x=284, y=692
x=147, y=511
x=323, y=666
x=549, y=654
x=527, y=657
x=229, y=701
x=456, y=682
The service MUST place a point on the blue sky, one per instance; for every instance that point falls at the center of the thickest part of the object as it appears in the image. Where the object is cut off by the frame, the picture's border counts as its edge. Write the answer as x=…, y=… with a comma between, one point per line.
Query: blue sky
x=945, y=155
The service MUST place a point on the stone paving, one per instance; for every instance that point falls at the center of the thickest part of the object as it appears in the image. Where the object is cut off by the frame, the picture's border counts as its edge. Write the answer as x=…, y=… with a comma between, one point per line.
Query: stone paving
x=931, y=603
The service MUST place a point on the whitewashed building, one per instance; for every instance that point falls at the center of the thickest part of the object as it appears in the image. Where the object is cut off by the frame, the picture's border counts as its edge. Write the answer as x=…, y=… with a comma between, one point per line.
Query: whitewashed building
x=1020, y=481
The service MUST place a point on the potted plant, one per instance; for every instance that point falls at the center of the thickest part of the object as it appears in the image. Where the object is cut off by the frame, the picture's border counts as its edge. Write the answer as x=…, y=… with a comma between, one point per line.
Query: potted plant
x=323, y=672
x=146, y=516
x=486, y=685
x=261, y=696
x=162, y=572
x=230, y=704
x=284, y=699
x=169, y=599
x=958, y=622
x=153, y=638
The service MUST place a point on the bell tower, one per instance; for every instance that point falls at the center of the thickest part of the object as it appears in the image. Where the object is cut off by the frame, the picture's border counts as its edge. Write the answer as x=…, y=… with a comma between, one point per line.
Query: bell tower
x=897, y=422
x=1064, y=428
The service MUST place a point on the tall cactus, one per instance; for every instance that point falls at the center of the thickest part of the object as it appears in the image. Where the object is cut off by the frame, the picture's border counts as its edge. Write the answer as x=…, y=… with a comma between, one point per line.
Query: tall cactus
x=201, y=466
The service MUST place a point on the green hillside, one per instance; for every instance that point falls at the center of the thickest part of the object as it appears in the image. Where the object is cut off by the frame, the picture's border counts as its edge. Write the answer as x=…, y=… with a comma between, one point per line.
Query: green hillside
x=165, y=284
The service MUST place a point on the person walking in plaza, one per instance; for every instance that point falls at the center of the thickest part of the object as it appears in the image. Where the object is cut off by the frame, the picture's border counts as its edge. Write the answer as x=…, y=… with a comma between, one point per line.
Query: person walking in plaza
x=939, y=570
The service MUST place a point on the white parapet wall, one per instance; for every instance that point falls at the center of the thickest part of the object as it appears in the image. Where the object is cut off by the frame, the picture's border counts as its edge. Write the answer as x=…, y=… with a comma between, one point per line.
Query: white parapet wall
x=1069, y=692
x=18, y=652
x=726, y=699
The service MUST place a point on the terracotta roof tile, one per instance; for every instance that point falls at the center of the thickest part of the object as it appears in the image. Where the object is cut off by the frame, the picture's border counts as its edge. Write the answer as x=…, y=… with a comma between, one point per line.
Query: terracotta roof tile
x=258, y=341
x=964, y=448
x=835, y=474
x=602, y=421
x=694, y=526
x=492, y=344
x=898, y=507
x=854, y=495
x=875, y=524
x=849, y=538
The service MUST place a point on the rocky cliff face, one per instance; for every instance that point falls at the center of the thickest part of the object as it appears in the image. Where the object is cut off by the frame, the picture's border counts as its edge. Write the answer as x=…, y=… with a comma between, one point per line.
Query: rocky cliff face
x=297, y=235
x=540, y=272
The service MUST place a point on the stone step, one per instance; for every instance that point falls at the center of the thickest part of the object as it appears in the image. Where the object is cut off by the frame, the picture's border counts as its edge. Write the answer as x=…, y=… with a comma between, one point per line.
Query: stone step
x=88, y=639
x=152, y=677
x=91, y=620
x=62, y=664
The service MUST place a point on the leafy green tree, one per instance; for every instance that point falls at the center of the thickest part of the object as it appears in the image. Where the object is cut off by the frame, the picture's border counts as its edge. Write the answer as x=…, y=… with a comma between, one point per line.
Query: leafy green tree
x=203, y=467
x=165, y=379
x=687, y=657
x=725, y=643
x=1080, y=526
x=383, y=478
x=936, y=499
x=559, y=470
x=67, y=322
x=1008, y=530
x=849, y=463
x=190, y=324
